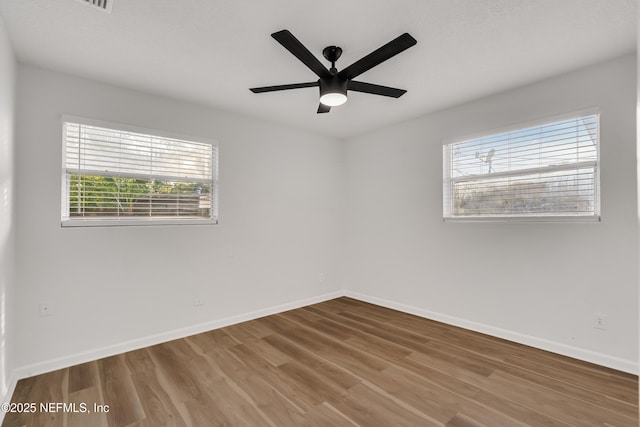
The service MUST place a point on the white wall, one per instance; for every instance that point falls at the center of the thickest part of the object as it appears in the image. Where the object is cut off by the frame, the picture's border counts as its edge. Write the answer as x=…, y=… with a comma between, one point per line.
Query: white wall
x=365, y=212
x=537, y=283
x=638, y=166
x=116, y=288
x=7, y=209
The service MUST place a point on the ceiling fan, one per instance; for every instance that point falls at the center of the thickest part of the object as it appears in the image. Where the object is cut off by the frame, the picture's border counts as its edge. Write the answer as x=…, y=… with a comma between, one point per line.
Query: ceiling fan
x=334, y=84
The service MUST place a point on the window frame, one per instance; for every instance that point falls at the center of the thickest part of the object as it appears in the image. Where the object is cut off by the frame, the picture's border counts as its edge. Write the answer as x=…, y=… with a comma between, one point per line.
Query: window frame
x=68, y=221
x=448, y=180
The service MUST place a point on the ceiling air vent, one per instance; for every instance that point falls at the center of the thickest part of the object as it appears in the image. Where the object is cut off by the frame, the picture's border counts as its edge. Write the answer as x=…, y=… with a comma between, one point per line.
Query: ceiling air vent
x=103, y=5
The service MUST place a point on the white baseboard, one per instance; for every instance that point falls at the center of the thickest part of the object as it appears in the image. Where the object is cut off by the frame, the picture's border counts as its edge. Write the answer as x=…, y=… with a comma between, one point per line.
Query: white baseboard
x=8, y=393
x=88, y=356
x=541, y=343
x=11, y=386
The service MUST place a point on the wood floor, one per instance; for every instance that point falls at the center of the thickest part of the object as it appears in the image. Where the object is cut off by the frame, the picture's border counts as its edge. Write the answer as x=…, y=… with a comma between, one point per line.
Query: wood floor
x=337, y=363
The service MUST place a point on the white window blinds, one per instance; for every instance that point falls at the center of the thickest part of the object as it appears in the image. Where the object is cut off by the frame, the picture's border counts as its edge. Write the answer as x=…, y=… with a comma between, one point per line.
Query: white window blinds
x=118, y=175
x=546, y=171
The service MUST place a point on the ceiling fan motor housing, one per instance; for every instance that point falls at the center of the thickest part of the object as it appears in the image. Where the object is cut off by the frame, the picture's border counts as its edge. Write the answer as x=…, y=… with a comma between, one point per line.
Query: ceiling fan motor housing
x=333, y=91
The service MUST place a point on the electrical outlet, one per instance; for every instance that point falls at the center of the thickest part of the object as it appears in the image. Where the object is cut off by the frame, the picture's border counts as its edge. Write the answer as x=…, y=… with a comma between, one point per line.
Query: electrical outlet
x=321, y=277
x=46, y=309
x=197, y=302
x=600, y=321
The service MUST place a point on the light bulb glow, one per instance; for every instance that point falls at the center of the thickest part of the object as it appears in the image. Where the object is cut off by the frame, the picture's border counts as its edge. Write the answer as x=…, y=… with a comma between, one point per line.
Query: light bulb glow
x=333, y=99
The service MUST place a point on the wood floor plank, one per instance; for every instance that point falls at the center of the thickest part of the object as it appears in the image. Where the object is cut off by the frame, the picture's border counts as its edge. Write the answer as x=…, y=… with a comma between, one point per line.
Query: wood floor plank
x=271, y=375
x=87, y=396
x=277, y=408
x=359, y=363
x=326, y=415
x=82, y=376
x=428, y=398
x=405, y=338
x=341, y=362
x=368, y=408
x=534, y=417
x=584, y=394
x=598, y=382
x=267, y=351
x=556, y=404
x=24, y=392
x=224, y=398
x=158, y=407
x=461, y=420
x=343, y=378
x=48, y=389
x=256, y=328
x=212, y=340
x=119, y=392
x=174, y=374
x=312, y=384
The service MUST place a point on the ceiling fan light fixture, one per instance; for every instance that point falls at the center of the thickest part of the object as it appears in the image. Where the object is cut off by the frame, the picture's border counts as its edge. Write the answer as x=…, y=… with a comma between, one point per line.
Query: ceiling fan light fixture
x=333, y=99
x=333, y=92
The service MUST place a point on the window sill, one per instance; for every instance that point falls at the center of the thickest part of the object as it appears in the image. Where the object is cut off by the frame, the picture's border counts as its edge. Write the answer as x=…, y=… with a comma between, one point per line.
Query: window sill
x=503, y=219
x=135, y=222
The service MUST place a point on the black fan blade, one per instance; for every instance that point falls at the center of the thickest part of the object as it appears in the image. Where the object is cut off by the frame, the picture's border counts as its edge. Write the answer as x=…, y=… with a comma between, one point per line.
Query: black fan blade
x=375, y=89
x=323, y=108
x=378, y=56
x=293, y=45
x=283, y=87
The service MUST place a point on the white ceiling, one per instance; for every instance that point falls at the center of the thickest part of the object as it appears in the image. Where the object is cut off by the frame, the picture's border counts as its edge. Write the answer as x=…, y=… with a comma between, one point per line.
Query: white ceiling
x=211, y=51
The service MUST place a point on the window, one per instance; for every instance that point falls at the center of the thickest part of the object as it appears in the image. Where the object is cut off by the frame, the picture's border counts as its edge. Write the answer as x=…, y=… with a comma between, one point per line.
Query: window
x=542, y=172
x=117, y=176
